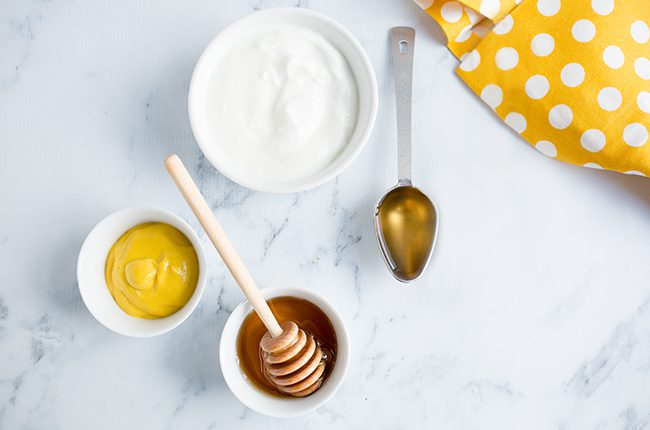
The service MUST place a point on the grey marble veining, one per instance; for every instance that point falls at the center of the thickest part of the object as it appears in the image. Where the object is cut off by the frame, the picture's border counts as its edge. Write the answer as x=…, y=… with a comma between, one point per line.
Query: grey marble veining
x=534, y=312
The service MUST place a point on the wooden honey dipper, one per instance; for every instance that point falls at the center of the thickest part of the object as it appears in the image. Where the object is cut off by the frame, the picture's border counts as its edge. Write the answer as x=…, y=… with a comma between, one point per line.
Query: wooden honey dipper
x=292, y=359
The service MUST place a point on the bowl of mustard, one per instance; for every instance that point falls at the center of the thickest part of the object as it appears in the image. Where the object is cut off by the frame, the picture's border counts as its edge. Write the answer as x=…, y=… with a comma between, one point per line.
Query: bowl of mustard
x=141, y=272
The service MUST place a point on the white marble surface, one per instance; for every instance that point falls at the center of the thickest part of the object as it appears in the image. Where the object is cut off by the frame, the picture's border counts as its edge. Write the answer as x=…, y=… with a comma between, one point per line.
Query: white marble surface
x=535, y=311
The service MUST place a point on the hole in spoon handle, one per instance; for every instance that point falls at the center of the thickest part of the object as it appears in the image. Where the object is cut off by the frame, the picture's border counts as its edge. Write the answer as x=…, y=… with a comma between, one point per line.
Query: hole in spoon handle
x=403, y=47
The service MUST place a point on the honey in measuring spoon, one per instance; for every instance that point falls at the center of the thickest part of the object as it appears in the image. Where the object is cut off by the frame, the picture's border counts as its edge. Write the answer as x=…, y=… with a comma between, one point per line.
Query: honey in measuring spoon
x=307, y=315
x=407, y=221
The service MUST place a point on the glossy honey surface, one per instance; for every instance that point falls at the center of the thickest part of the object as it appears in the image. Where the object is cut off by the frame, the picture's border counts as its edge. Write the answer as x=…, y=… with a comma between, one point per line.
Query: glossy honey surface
x=407, y=222
x=307, y=315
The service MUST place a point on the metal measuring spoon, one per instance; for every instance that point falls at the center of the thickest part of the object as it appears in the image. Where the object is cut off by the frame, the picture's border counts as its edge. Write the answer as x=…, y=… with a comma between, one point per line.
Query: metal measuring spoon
x=406, y=221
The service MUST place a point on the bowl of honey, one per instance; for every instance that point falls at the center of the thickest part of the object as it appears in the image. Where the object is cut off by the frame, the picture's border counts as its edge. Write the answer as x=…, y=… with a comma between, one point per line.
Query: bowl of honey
x=241, y=361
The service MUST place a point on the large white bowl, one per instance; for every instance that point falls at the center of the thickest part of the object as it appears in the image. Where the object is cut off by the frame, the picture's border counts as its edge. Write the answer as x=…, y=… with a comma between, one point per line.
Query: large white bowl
x=338, y=36
x=92, y=280
x=264, y=403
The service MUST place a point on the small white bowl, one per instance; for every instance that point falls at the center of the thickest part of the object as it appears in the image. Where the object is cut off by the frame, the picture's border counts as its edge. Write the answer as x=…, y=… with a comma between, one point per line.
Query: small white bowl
x=264, y=403
x=338, y=36
x=92, y=280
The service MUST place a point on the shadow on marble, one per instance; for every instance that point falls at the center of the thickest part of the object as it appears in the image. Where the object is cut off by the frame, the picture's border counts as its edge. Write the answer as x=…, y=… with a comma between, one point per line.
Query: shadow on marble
x=367, y=254
x=193, y=350
x=636, y=186
x=162, y=126
x=165, y=111
x=64, y=290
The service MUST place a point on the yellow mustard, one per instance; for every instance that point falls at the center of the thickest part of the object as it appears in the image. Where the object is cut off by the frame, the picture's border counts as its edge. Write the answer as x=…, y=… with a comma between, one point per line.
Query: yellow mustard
x=152, y=270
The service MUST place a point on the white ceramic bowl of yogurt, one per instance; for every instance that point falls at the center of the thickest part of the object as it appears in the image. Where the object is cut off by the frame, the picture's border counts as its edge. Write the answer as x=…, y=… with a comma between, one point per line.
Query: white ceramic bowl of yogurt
x=283, y=100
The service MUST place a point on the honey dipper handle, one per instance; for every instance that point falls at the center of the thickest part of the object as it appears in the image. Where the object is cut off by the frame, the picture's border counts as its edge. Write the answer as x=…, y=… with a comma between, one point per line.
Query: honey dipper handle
x=204, y=214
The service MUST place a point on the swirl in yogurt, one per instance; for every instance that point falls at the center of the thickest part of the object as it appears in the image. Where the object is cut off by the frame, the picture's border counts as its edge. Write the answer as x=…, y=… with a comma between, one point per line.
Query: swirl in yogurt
x=282, y=103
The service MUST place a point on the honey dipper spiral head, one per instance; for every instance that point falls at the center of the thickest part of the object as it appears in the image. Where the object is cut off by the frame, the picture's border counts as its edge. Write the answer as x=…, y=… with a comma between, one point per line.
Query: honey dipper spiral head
x=293, y=362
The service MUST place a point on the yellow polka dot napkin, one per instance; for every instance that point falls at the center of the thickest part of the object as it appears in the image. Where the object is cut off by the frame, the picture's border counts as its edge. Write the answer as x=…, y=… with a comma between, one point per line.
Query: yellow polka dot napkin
x=571, y=76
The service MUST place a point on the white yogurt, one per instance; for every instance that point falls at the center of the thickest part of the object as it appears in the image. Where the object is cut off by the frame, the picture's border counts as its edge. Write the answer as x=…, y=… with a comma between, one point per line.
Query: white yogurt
x=282, y=103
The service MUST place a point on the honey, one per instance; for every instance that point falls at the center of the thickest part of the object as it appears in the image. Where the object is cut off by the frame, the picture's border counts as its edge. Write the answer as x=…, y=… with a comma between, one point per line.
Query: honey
x=407, y=220
x=307, y=315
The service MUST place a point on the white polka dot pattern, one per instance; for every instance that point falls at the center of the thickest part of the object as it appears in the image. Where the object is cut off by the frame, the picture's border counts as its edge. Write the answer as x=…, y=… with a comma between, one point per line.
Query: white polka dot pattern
x=492, y=95
x=643, y=100
x=614, y=57
x=571, y=76
x=642, y=68
x=610, y=99
x=583, y=30
x=507, y=58
x=452, y=11
x=635, y=134
x=547, y=148
x=490, y=8
x=640, y=32
x=516, y=121
x=470, y=61
x=560, y=117
x=542, y=45
x=593, y=140
x=548, y=7
x=537, y=87
x=634, y=172
x=504, y=26
x=603, y=7
x=592, y=165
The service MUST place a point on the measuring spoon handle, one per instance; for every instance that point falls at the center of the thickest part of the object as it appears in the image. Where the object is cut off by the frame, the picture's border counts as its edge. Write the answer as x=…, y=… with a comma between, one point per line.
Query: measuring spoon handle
x=402, y=44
